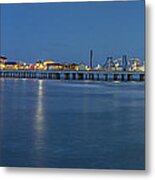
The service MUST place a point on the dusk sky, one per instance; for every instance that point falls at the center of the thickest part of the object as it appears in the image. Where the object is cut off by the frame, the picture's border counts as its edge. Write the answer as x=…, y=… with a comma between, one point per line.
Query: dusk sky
x=65, y=32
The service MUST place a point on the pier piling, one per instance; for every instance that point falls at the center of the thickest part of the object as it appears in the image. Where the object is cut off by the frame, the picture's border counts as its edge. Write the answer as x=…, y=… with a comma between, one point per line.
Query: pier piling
x=80, y=76
x=73, y=76
x=122, y=77
x=115, y=77
x=67, y=76
x=106, y=77
x=141, y=77
x=129, y=77
x=98, y=77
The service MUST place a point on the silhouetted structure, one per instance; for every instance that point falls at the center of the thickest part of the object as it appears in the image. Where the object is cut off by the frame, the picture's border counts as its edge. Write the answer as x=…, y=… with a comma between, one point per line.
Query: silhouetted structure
x=109, y=63
x=91, y=59
x=124, y=62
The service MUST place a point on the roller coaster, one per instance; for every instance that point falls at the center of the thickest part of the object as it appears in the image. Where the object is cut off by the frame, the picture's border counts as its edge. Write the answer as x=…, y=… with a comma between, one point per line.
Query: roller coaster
x=123, y=64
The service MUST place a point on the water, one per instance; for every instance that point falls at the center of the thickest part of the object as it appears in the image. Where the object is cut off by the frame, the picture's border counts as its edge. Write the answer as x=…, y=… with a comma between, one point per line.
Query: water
x=75, y=124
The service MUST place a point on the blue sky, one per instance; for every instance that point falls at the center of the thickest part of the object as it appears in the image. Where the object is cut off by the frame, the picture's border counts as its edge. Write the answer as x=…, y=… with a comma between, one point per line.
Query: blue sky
x=66, y=32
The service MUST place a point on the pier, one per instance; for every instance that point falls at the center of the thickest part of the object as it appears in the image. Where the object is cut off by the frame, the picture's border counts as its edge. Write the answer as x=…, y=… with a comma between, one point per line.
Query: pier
x=97, y=75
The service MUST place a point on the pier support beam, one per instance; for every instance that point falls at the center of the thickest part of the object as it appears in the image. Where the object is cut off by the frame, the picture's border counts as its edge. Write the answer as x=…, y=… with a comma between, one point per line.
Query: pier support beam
x=57, y=75
x=98, y=77
x=67, y=76
x=142, y=77
x=44, y=76
x=122, y=77
x=19, y=75
x=115, y=77
x=91, y=76
x=106, y=77
x=40, y=75
x=73, y=76
x=50, y=76
x=35, y=75
x=80, y=76
x=13, y=74
x=129, y=77
x=24, y=75
x=5, y=74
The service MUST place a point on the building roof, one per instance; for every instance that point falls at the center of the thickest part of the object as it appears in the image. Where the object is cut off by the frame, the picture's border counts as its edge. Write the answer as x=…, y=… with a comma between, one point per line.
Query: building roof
x=10, y=63
x=49, y=60
x=74, y=64
x=2, y=57
x=54, y=64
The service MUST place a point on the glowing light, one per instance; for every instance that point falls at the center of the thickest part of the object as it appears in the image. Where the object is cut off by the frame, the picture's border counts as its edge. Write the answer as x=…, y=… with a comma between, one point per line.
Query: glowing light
x=39, y=113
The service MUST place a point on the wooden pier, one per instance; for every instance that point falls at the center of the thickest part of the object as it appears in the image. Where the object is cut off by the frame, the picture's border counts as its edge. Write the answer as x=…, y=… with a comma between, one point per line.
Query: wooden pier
x=75, y=75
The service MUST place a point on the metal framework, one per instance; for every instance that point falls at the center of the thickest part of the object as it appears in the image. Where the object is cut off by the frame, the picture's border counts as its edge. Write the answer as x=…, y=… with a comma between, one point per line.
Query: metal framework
x=123, y=63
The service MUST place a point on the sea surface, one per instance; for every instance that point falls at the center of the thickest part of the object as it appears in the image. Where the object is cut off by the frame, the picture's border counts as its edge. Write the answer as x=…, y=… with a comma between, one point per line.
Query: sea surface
x=72, y=124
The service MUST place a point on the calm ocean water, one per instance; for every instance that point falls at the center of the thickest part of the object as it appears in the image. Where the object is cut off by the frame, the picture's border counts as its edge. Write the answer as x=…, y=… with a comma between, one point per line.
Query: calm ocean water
x=75, y=124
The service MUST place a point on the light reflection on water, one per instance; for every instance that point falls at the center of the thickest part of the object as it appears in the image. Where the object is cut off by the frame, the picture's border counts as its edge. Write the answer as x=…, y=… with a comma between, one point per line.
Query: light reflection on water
x=39, y=127
x=39, y=112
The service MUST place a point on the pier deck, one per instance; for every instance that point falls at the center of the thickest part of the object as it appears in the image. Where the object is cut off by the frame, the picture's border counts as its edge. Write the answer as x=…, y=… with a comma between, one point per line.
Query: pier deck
x=75, y=75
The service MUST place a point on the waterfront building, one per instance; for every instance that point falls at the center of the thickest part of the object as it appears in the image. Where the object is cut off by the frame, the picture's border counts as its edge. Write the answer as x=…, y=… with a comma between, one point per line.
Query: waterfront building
x=46, y=62
x=3, y=59
x=30, y=66
x=54, y=66
x=2, y=62
x=44, y=65
x=141, y=68
x=98, y=67
x=134, y=64
x=21, y=66
x=83, y=66
x=39, y=65
x=72, y=66
x=11, y=65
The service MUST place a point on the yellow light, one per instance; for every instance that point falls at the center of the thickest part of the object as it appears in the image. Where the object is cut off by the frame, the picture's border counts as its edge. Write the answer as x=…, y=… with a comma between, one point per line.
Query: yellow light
x=76, y=68
x=87, y=68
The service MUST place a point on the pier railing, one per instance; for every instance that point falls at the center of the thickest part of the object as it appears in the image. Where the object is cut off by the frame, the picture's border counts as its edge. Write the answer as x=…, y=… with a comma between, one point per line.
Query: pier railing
x=75, y=75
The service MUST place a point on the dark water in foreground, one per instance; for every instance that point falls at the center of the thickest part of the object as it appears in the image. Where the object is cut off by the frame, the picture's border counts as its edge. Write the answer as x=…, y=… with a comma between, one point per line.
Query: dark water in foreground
x=76, y=124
